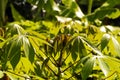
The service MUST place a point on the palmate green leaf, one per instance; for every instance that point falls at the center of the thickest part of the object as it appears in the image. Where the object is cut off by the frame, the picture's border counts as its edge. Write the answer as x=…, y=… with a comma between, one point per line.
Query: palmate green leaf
x=72, y=9
x=38, y=40
x=74, y=55
x=104, y=41
x=28, y=49
x=100, y=13
x=24, y=65
x=51, y=6
x=19, y=29
x=7, y=46
x=114, y=14
x=15, y=28
x=108, y=65
x=93, y=47
x=78, y=48
x=111, y=3
x=67, y=2
x=36, y=34
x=82, y=48
x=14, y=52
x=79, y=65
x=116, y=45
x=104, y=66
x=15, y=58
x=113, y=63
x=106, y=10
x=87, y=69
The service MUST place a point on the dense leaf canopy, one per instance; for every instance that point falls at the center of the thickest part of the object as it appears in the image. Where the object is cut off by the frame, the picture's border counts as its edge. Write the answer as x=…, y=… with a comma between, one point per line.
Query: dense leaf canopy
x=59, y=40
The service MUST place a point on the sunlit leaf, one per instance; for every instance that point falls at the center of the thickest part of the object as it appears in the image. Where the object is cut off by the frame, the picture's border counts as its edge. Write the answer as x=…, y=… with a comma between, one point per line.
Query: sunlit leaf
x=110, y=66
x=72, y=9
x=45, y=63
x=2, y=43
x=100, y=13
x=104, y=41
x=111, y=3
x=28, y=49
x=52, y=66
x=12, y=76
x=69, y=59
x=87, y=69
x=67, y=2
x=33, y=48
x=51, y=6
x=106, y=10
x=116, y=45
x=93, y=47
x=76, y=9
x=1, y=74
x=63, y=19
x=113, y=63
x=26, y=64
x=16, y=29
x=39, y=35
x=38, y=40
x=104, y=66
x=114, y=14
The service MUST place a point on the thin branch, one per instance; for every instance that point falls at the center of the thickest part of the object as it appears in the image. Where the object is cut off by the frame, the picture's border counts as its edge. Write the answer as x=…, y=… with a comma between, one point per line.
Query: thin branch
x=60, y=64
x=46, y=54
x=50, y=58
x=52, y=71
x=19, y=75
x=66, y=57
x=109, y=76
x=72, y=76
x=70, y=66
x=49, y=67
x=90, y=6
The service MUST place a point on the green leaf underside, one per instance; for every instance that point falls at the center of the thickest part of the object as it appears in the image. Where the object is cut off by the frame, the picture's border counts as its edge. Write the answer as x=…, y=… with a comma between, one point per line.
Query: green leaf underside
x=116, y=45
x=78, y=48
x=14, y=53
x=28, y=49
x=104, y=41
x=87, y=69
x=104, y=66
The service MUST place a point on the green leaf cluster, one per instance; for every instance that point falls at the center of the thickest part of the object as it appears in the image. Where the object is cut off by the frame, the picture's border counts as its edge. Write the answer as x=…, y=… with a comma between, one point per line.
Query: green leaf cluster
x=64, y=44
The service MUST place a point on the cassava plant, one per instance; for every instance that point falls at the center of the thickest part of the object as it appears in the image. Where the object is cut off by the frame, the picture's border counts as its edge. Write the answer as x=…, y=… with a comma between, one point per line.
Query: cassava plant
x=64, y=44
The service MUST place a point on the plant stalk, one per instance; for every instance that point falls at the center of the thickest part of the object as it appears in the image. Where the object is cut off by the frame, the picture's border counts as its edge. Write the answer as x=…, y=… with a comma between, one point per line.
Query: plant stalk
x=60, y=65
x=59, y=73
x=90, y=2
